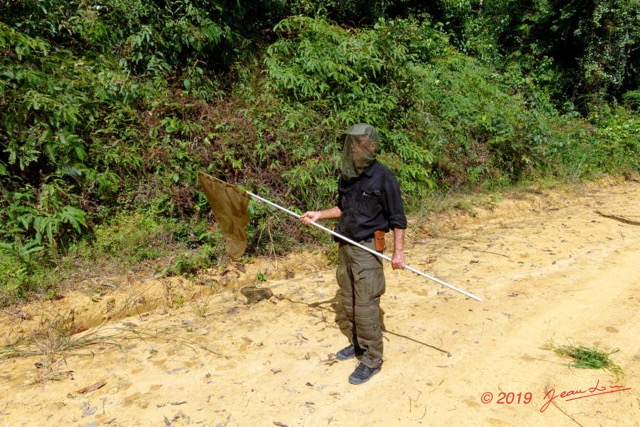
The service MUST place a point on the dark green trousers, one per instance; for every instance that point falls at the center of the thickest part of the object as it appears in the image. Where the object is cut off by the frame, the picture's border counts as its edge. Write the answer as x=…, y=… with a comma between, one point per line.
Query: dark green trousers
x=361, y=279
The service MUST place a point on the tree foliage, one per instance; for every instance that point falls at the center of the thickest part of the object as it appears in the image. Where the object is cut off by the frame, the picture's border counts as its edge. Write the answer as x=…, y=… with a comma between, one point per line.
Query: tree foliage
x=147, y=36
x=108, y=109
x=586, y=53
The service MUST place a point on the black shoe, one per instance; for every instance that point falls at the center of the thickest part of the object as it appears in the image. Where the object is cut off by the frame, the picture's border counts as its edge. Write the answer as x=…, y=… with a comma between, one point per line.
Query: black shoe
x=349, y=352
x=362, y=374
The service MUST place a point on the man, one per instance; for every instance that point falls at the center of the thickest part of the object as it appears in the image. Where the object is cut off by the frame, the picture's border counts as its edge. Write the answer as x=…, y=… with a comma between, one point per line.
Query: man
x=369, y=200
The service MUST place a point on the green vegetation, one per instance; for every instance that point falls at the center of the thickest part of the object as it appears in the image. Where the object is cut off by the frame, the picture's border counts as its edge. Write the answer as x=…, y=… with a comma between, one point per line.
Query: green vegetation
x=109, y=109
x=587, y=358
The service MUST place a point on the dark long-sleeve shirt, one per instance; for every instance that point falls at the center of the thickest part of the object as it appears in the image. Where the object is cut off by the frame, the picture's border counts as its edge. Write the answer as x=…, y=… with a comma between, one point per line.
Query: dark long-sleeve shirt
x=372, y=201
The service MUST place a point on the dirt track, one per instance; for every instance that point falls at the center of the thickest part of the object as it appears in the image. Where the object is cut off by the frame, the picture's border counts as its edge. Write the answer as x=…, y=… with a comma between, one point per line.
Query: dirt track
x=548, y=264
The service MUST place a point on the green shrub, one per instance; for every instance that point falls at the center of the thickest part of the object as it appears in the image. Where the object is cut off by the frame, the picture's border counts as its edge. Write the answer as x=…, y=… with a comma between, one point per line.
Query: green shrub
x=108, y=117
x=21, y=267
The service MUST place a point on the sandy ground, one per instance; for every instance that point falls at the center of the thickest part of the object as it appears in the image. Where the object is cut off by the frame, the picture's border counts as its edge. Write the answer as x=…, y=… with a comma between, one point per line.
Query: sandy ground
x=550, y=265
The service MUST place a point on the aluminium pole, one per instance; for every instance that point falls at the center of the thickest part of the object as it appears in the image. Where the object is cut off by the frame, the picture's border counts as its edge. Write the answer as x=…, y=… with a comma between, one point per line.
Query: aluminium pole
x=378, y=254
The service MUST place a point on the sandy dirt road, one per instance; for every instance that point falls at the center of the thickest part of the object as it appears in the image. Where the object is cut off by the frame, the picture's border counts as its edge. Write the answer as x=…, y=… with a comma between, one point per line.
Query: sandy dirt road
x=551, y=265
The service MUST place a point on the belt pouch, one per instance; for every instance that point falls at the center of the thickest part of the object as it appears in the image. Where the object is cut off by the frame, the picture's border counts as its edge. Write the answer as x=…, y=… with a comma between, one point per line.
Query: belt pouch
x=378, y=238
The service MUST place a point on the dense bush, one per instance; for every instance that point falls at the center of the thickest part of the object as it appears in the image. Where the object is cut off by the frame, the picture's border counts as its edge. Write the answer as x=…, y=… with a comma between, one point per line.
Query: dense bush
x=109, y=110
x=146, y=37
x=585, y=52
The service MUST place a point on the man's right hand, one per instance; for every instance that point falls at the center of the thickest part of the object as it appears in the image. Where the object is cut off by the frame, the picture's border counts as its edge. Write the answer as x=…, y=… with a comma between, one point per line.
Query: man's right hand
x=310, y=216
x=315, y=216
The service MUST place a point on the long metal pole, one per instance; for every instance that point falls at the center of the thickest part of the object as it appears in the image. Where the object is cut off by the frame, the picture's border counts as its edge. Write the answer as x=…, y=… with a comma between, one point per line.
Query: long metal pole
x=378, y=254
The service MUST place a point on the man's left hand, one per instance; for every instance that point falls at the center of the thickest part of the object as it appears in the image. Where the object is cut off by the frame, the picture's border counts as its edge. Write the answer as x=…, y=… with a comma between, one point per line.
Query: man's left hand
x=397, y=260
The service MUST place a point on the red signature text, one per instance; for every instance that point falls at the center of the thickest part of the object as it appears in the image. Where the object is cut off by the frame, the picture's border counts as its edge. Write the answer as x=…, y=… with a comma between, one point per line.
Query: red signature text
x=568, y=395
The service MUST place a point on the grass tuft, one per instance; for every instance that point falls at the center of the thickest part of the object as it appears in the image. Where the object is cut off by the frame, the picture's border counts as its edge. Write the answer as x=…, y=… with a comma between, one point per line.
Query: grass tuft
x=587, y=358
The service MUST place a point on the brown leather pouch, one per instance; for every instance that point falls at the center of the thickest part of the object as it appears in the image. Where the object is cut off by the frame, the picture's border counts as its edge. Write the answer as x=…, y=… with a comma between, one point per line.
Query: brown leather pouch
x=378, y=238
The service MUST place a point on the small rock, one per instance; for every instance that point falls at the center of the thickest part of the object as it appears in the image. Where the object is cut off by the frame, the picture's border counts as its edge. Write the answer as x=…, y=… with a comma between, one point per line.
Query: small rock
x=255, y=294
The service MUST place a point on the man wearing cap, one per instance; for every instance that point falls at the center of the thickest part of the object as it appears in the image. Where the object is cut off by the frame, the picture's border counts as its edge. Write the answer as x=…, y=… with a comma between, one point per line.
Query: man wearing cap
x=369, y=200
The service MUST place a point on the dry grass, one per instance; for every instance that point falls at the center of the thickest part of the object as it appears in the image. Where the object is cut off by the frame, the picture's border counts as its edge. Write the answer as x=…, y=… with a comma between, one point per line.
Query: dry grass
x=53, y=342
